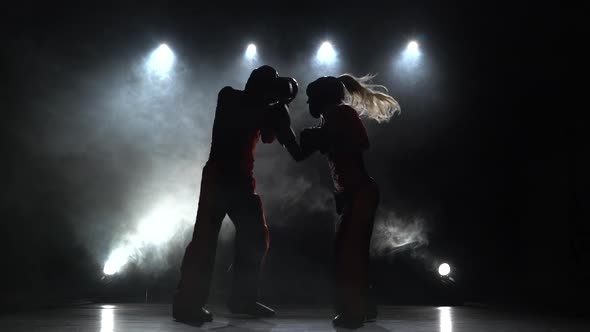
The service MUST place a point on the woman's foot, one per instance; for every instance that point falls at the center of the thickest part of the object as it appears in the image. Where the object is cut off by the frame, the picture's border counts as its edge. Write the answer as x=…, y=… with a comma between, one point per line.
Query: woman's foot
x=371, y=315
x=348, y=321
x=191, y=315
x=254, y=309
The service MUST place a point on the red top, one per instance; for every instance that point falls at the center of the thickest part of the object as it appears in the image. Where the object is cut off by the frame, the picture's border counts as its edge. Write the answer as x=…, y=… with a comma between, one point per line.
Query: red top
x=347, y=139
x=237, y=127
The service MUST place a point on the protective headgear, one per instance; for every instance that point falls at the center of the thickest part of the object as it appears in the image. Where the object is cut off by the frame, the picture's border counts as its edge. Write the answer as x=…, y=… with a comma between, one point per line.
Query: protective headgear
x=264, y=82
x=324, y=91
x=261, y=78
x=285, y=89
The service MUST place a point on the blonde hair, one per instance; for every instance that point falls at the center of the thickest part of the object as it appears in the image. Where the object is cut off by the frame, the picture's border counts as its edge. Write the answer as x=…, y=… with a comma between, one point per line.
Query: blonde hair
x=366, y=98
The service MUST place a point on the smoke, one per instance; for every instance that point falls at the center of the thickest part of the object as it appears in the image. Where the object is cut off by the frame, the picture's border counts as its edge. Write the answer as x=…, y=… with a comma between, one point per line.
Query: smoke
x=172, y=115
x=165, y=119
x=126, y=144
x=172, y=120
x=392, y=233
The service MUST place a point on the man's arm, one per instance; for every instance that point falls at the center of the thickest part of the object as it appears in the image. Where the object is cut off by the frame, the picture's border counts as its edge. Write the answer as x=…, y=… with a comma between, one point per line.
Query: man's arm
x=268, y=134
x=285, y=134
x=314, y=139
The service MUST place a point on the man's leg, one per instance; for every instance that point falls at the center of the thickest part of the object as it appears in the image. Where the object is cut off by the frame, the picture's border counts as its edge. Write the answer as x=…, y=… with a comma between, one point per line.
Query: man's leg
x=251, y=245
x=197, y=264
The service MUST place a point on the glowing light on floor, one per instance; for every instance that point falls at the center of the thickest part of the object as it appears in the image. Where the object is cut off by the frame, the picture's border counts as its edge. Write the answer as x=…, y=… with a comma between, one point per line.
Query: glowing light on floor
x=444, y=269
x=156, y=228
x=107, y=320
x=445, y=319
x=117, y=259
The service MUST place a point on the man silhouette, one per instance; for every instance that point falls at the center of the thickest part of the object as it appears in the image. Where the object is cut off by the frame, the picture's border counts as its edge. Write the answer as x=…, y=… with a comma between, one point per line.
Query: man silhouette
x=242, y=118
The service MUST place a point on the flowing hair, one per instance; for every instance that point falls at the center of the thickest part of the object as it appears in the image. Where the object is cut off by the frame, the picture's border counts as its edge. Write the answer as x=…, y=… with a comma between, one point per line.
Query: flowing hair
x=370, y=100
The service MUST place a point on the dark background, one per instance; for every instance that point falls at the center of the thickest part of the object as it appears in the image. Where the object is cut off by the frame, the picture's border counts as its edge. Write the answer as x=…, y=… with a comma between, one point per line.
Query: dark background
x=484, y=152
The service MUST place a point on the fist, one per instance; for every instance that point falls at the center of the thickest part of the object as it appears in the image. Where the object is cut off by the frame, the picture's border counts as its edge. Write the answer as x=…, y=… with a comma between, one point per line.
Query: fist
x=313, y=139
x=280, y=115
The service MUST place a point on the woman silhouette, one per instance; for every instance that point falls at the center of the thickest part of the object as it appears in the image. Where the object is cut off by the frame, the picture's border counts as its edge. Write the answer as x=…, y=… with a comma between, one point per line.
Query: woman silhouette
x=341, y=136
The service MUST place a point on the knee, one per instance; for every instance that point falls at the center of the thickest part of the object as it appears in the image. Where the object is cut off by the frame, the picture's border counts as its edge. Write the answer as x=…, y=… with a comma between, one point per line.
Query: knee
x=262, y=244
x=252, y=243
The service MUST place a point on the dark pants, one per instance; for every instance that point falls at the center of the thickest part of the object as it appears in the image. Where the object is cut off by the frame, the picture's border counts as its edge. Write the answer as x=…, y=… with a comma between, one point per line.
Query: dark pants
x=351, y=253
x=221, y=194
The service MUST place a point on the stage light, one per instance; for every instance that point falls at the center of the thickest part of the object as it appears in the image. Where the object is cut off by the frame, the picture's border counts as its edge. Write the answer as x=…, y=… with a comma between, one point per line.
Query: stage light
x=412, y=52
x=161, y=61
x=250, y=53
x=413, y=48
x=444, y=269
x=154, y=229
x=409, y=63
x=117, y=259
x=326, y=53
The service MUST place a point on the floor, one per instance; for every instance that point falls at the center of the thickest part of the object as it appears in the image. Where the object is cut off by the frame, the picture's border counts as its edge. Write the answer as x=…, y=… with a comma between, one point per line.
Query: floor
x=157, y=317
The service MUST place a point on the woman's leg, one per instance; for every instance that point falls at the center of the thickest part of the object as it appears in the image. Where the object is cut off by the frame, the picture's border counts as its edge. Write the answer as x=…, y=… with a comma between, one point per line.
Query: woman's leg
x=352, y=246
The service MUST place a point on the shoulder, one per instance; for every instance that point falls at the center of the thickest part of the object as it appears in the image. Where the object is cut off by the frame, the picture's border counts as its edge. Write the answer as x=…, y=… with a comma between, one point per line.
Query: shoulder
x=345, y=114
x=227, y=92
x=229, y=97
x=348, y=111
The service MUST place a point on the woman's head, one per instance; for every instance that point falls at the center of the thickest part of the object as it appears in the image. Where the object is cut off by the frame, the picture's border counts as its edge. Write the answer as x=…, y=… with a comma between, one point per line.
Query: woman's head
x=365, y=98
x=322, y=93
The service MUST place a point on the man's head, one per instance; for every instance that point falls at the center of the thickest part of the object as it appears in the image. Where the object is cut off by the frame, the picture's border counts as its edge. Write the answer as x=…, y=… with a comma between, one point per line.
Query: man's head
x=322, y=93
x=266, y=87
x=260, y=83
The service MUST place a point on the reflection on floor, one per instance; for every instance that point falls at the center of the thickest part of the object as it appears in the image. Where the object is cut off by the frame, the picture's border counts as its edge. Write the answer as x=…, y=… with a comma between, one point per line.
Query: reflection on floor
x=157, y=317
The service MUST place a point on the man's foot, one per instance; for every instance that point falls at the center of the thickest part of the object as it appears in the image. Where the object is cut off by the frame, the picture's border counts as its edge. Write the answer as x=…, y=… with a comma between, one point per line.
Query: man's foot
x=371, y=315
x=191, y=315
x=255, y=309
x=348, y=321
